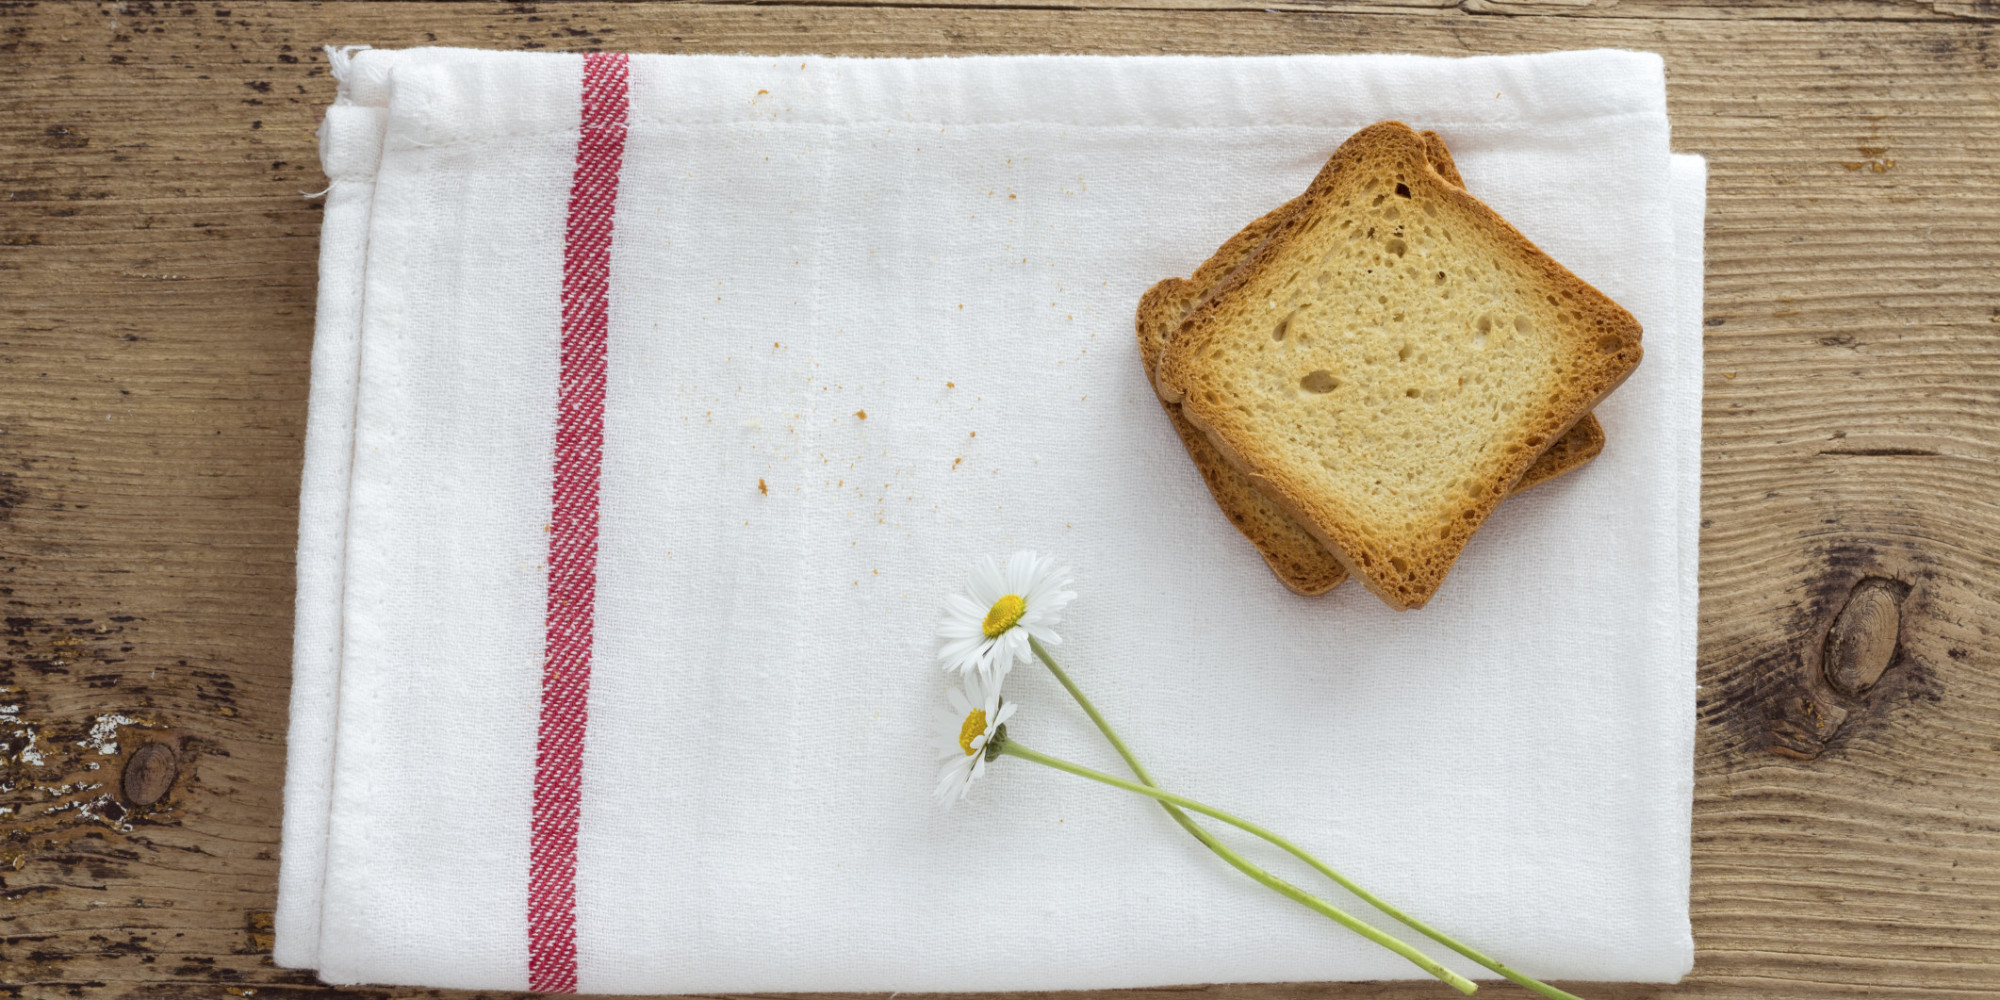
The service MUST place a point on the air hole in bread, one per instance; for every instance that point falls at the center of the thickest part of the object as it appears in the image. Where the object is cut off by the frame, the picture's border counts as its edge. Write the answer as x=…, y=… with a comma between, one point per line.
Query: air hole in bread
x=1397, y=247
x=1402, y=190
x=1403, y=353
x=1319, y=380
x=1414, y=393
x=1609, y=342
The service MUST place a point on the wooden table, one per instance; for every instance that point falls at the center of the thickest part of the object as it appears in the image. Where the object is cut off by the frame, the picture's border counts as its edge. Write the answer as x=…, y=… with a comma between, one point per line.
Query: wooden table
x=156, y=304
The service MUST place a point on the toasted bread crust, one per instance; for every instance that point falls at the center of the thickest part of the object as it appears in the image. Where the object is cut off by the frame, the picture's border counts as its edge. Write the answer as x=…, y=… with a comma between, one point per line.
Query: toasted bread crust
x=1297, y=558
x=1590, y=340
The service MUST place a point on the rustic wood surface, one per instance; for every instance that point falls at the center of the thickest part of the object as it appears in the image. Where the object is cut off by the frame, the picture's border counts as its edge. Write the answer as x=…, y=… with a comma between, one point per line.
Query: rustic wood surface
x=156, y=299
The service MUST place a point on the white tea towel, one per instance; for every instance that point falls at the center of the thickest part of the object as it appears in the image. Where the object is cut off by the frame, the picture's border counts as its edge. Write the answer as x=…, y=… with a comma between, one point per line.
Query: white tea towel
x=351, y=144
x=659, y=402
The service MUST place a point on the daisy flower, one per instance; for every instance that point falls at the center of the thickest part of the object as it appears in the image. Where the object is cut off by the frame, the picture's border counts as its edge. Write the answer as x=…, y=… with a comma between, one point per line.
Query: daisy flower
x=968, y=734
x=986, y=629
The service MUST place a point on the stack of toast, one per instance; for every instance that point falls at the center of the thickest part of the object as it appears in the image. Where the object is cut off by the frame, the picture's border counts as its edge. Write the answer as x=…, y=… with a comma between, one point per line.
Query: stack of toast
x=1365, y=372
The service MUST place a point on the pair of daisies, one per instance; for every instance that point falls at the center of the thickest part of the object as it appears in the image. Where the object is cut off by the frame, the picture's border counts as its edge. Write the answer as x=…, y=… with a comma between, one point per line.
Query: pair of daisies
x=1007, y=615
x=986, y=631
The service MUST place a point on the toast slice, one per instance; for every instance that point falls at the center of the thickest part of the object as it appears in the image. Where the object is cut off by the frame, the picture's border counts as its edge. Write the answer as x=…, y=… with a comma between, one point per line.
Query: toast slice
x=1391, y=360
x=1295, y=557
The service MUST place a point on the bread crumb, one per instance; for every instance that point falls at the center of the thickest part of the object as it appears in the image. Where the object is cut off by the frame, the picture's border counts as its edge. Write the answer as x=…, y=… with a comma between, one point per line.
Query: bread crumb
x=860, y=414
x=761, y=488
x=951, y=385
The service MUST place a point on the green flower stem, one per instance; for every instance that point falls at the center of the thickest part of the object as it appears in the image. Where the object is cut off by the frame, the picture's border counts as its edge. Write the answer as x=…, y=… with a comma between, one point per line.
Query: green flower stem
x=1187, y=822
x=1089, y=709
x=1422, y=961
x=1202, y=835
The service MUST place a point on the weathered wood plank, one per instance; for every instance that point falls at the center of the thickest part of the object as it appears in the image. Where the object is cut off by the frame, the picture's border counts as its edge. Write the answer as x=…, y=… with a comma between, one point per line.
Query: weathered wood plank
x=1653, y=10
x=156, y=282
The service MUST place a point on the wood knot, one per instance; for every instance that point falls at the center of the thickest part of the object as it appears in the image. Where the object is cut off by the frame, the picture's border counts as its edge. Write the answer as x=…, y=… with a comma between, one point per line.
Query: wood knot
x=1860, y=642
x=1863, y=639
x=149, y=773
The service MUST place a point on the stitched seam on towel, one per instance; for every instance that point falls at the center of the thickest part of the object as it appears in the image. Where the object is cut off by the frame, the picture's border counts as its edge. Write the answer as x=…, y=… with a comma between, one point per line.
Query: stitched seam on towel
x=572, y=587
x=434, y=142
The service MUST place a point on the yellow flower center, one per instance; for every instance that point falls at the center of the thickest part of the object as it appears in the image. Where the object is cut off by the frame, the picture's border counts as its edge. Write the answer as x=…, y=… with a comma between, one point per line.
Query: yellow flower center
x=974, y=728
x=1002, y=616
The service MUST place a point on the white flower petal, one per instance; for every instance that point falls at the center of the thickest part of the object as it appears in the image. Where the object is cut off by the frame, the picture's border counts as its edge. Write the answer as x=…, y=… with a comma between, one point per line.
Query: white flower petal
x=964, y=608
x=1012, y=647
x=950, y=787
x=959, y=628
x=1050, y=599
x=985, y=584
x=1020, y=573
x=1047, y=636
x=960, y=648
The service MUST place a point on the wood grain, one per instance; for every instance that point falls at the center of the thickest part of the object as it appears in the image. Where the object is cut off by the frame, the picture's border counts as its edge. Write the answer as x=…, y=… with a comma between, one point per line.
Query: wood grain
x=156, y=292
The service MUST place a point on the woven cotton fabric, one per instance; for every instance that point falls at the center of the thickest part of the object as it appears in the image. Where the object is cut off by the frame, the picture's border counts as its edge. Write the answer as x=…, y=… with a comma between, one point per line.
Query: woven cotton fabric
x=821, y=334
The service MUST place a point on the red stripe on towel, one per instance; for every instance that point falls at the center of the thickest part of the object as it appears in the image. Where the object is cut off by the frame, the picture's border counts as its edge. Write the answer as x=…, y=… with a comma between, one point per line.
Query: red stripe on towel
x=593, y=200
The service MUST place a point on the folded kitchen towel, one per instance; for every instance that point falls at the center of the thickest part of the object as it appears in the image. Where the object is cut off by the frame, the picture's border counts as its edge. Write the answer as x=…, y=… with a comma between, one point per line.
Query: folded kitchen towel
x=657, y=402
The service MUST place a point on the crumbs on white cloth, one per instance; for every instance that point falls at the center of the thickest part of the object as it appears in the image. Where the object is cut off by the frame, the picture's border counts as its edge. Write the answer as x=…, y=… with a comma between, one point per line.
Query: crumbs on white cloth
x=953, y=248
